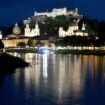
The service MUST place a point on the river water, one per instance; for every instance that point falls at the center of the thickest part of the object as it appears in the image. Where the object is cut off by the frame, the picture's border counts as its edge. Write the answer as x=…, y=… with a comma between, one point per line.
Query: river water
x=56, y=80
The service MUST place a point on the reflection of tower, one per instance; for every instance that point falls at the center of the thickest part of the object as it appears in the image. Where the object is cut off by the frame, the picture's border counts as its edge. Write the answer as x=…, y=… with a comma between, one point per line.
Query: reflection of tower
x=61, y=78
x=45, y=64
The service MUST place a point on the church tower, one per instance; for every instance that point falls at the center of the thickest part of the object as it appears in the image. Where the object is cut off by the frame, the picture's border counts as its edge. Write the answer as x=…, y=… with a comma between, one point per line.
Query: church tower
x=27, y=30
x=83, y=27
x=37, y=30
x=32, y=32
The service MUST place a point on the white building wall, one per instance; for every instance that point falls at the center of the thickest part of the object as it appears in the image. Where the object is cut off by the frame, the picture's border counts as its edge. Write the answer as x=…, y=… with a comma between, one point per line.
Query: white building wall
x=55, y=12
x=1, y=35
x=72, y=30
x=62, y=33
x=32, y=32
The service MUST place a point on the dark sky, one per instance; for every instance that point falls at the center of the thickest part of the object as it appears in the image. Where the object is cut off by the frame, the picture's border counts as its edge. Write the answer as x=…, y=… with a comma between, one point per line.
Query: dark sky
x=12, y=11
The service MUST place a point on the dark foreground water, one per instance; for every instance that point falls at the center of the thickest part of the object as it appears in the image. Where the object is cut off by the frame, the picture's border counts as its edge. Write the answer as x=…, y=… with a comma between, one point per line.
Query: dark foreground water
x=56, y=80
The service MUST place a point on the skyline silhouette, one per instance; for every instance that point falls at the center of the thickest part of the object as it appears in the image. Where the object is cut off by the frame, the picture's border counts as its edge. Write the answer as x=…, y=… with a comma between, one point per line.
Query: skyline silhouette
x=12, y=11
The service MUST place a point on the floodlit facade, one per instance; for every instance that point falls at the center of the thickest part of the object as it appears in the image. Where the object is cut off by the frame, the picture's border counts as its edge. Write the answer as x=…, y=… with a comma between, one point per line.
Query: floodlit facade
x=16, y=29
x=72, y=30
x=55, y=12
x=28, y=32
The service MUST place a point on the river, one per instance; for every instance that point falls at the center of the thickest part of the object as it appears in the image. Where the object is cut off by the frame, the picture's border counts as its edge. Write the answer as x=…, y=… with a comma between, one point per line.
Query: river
x=56, y=80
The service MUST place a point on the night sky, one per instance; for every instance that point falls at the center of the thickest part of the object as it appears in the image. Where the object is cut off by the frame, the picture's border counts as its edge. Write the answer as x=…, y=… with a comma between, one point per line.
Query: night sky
x=12, y=11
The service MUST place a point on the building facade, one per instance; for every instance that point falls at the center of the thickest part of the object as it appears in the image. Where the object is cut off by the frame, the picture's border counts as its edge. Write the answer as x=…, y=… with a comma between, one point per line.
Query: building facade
x=54, y=13
x=73, y=30
x=16, y=29
x=28, y=32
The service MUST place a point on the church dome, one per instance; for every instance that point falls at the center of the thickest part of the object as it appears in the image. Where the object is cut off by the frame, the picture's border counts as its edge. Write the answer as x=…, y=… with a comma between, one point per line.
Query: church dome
x=16, y=29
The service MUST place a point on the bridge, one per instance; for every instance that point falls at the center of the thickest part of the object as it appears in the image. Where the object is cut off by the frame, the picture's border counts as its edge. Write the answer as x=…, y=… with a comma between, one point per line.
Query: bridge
x=14, y=42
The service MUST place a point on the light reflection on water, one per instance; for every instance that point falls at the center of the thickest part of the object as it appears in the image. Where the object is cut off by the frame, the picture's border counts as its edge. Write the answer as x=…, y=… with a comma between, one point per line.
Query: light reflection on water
x=57, y=80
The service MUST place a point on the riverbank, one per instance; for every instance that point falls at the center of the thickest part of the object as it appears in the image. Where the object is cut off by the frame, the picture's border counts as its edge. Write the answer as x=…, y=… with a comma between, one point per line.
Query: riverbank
x=58, y=51
x=9, y=63
x=81, y=52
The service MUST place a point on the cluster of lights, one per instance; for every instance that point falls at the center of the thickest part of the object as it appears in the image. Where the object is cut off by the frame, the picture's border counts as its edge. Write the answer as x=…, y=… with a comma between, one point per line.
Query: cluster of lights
x=43, y=50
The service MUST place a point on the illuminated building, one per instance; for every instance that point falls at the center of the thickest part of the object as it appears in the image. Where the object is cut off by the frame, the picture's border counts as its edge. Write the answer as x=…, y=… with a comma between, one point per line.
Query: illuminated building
x=54, y=13
x=0, y=35
x=32, y=32
x=73, y=30
x=57, y=12
x=16, y=29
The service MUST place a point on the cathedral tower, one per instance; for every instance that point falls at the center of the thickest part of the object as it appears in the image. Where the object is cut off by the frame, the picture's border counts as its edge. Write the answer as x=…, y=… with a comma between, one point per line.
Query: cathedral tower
x=27, y=30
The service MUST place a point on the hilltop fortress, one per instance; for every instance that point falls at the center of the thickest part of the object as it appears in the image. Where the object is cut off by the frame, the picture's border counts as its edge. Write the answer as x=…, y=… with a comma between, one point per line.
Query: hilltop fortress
x=51, y=23
x=48, y=24
x=41, y=16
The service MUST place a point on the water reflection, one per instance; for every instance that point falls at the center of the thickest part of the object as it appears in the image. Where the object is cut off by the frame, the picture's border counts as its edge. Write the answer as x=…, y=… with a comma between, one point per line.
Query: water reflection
x=59, y=79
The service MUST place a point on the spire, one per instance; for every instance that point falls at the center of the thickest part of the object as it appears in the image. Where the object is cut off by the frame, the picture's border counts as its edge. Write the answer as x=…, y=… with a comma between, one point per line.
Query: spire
x=83, y=27
x=16, y=24
x=76, y=10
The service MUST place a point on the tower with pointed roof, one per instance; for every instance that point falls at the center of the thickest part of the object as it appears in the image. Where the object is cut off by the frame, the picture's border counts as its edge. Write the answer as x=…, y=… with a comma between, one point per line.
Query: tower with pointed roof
x=27, y=30
x=32, y=32
x=83, y=27
x=37, y=30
